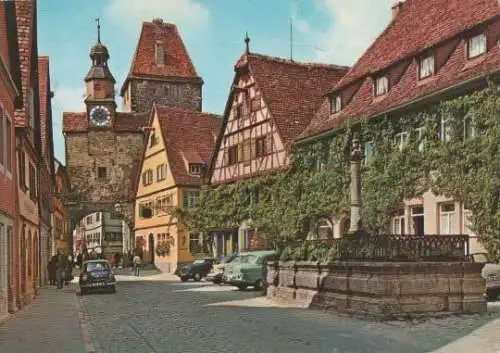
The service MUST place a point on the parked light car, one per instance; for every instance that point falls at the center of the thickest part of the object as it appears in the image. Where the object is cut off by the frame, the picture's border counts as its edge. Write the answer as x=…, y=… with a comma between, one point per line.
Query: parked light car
x=217, y=271
x=491, y=273
x=247, y=269
x=195, y=270
x=95, y=275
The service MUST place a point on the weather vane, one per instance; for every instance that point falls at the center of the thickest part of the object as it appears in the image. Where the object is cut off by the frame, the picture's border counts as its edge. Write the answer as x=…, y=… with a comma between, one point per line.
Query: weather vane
x=98, y=29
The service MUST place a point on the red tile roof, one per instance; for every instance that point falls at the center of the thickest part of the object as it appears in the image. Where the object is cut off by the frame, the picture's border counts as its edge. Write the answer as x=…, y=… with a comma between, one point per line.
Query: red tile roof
x=189, y=137
x=43, y=86
x=124, y=122
x=26, y=34
x=421, y=25
x=177, y=64
x=4, y=41
x=292, y=90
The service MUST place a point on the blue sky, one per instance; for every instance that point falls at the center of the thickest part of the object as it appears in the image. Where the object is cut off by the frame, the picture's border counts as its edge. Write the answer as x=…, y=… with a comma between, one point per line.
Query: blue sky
x=329, y=31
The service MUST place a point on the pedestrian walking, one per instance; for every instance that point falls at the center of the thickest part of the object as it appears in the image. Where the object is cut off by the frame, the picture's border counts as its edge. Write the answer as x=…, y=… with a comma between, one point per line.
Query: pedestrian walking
x=51, y=268
x=61, y=265
x=137, y=264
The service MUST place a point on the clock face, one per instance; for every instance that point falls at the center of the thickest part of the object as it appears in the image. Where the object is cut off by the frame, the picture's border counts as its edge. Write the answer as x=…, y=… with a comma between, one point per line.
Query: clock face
x=100, y=116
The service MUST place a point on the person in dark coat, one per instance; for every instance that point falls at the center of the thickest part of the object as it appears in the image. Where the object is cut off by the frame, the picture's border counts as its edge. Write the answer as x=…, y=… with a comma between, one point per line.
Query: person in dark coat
x=51, y=268
x=61, y=265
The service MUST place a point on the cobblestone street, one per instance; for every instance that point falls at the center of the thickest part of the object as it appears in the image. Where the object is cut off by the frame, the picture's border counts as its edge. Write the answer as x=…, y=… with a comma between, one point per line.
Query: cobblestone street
x=177, y=317
x=160, y=316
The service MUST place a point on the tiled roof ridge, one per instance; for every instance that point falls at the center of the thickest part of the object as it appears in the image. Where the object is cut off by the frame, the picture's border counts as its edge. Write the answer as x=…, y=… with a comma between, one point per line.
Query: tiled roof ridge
x=187, y=111
x=298, y=63
x=349, y=79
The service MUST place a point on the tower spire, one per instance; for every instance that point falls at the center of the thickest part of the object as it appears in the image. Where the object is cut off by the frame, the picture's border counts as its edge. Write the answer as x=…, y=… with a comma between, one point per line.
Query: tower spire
x=98, y=29
x=247, y=41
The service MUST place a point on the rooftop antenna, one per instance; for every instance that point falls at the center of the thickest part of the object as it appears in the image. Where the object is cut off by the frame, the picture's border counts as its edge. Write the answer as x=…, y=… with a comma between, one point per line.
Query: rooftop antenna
x=291, y=39
x=98, y=29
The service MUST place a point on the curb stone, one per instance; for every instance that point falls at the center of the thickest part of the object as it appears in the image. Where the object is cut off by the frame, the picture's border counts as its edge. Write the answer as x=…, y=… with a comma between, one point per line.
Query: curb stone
x=84, y=326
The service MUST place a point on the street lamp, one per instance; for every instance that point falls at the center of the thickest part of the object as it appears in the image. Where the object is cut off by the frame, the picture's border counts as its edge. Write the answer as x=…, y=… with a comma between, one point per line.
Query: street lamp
x=356, y=158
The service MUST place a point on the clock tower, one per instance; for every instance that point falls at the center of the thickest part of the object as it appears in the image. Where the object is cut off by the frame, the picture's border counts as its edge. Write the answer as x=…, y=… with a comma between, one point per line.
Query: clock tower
x=100, y=97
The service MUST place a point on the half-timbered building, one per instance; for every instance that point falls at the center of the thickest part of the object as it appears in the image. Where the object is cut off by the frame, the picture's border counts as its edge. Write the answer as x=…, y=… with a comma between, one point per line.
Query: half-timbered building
x=272, y=100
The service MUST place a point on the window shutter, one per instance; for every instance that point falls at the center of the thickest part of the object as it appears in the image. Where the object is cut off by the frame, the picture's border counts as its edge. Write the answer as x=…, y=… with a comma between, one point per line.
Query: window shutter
x=247, y=147
x=268, y=145
x=240, y=152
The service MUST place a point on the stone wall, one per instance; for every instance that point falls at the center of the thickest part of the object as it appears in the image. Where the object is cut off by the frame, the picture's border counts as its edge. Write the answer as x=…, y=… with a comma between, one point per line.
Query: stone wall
x=380, y=288
x=186, y=95
x=120, y=154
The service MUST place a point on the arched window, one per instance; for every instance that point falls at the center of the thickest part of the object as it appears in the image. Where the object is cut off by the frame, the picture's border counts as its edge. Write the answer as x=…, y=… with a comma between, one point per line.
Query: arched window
x=324, y=228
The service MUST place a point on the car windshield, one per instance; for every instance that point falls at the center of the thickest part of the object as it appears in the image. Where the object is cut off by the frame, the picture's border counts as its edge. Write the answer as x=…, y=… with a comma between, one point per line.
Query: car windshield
x=480, y=257
x=96, y=266
x=199, y=261
x=225, y=259
x=247, y=259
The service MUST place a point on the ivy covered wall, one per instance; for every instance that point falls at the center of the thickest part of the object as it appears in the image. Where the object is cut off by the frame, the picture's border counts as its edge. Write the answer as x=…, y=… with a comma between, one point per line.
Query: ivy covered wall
x=452, y=149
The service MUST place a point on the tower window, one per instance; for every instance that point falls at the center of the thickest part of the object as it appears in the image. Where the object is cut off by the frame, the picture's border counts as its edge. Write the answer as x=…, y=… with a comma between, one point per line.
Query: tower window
x=159, y=54
x=101, y=172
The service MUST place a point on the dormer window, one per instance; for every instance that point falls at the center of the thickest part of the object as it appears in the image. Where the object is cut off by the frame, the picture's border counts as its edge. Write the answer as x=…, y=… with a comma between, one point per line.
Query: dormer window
x=153, y=140
x=335, y=104
x=195, y=169
x=159, y=54
x=381, y=85
x=476, y=46
x=426, y=67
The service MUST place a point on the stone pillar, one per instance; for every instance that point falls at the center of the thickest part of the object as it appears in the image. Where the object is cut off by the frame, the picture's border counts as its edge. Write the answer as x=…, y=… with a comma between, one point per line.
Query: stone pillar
x=356, y=157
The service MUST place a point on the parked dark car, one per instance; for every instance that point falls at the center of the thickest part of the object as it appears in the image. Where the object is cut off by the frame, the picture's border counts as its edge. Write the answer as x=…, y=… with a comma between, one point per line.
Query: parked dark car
x=195, y=270
x=97, y=275
x=491, y=273
x=217, y=271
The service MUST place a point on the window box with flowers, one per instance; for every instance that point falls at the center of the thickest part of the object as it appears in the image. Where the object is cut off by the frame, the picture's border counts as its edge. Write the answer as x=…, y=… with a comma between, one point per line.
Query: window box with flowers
x=163, y=249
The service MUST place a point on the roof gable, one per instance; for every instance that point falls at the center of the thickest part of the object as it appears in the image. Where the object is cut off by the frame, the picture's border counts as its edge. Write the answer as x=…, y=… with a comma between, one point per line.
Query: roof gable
x=419, y=24
x=292, y=90
x=189, y=137
x=149, y=150
x=177, y=63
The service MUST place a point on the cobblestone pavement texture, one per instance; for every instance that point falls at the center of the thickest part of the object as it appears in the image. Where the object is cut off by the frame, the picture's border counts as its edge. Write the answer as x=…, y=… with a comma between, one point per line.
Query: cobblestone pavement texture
x=150, y=317
x=50, y=324
x=164, y=316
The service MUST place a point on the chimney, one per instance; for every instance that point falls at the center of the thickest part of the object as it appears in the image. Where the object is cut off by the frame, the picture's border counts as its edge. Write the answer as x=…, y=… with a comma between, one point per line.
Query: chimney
x=158, y=21
x=396, y=8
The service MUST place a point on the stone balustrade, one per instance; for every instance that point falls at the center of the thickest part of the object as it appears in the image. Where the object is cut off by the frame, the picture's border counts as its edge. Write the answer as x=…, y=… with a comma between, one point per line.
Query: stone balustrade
x=385, y=289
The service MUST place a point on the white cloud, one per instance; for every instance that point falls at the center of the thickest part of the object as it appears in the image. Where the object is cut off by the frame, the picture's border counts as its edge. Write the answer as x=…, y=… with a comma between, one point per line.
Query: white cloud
x=129, y=14
x=354, y=25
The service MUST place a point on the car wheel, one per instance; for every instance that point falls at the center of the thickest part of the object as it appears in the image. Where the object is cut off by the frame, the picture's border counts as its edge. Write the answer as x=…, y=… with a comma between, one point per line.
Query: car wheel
x=197, y=277
x=242, y=286
x=258, y=285
x=184, y=279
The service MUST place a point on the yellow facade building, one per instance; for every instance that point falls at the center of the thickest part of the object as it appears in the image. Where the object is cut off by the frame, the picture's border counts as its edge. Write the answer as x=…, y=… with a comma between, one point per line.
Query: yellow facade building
x=180, y=145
